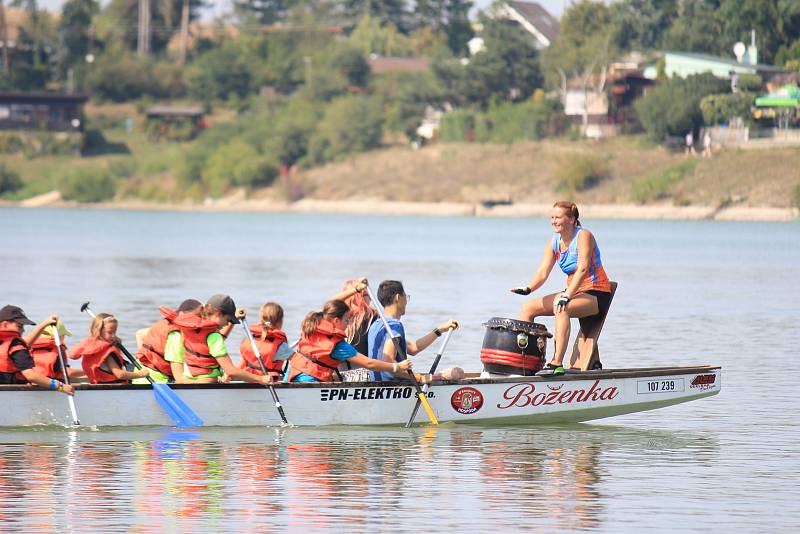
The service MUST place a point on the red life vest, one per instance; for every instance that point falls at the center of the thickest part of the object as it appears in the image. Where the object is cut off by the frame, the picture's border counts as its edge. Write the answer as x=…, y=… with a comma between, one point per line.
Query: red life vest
x=152, y=352
x=267, y=347
x=45, y=356
x=313, y=356
x=6, y=350
x=195, y=330
x=94, y=353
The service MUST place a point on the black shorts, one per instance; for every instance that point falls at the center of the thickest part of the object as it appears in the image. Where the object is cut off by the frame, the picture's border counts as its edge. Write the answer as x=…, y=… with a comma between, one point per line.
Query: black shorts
x=603, y=303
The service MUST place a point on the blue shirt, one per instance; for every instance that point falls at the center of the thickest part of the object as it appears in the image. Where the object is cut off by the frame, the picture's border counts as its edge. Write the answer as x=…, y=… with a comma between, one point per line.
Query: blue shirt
x=376, y=338
x=341, y=351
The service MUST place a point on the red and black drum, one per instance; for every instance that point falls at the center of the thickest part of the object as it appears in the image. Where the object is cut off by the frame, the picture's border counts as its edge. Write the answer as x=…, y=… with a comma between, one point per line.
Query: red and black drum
x=512, y=347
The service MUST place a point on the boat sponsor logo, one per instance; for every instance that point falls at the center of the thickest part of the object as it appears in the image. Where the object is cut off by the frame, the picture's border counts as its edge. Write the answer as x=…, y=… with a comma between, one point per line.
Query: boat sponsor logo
x=381, y=393
x=466, y=400
x=703, y=382
x=525, y=394
x=661, y=385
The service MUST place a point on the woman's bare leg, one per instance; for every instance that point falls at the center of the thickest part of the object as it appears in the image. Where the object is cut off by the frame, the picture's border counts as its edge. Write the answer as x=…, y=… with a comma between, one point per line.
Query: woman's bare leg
x=538, y=307
x=581, y=305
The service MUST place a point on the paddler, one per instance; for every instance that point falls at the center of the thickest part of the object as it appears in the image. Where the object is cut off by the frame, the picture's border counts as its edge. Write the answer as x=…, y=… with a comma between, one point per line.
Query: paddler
x=271, y=343
x=394, y=300
x=161, y=350
x=16, y=363
x=100, y=356
x=323, y=347
x=44, y=351
x=205, y=356
x=588, y=290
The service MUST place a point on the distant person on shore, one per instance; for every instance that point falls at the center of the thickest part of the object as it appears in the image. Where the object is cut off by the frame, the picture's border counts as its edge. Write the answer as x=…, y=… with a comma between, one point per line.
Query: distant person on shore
x=707, y=144
x=394, y=300
x=323, y=348
x=689, y=151
x=588, y=289
x=100, y=356
x=16, y=363
x=362, y=315
x=273, y=348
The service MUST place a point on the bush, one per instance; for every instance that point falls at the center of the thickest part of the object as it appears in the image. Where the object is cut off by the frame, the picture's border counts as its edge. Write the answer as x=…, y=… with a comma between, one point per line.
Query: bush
x=582, y=172
x=719, y=109
x=507, y=123
x=351, y=124
x=88, y=184
x=659, y=186
x=9, y=180
x=218, y=173
x=220, y=72
x=257, y=171
x=458, y=126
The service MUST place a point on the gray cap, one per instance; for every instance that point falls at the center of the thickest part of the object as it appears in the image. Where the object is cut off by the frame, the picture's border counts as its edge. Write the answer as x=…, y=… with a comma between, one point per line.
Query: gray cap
x=224, y=304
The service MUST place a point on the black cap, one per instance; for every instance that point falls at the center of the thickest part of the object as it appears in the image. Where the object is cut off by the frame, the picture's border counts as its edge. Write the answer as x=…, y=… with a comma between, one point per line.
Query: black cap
x=189, y=305
x=15, y=314
x=225, y=305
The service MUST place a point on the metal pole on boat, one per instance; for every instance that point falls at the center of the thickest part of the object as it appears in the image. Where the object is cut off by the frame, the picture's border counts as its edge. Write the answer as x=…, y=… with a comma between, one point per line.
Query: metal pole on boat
x=435, y=364
x=62, y=361
x=257, y=354
x=421, y=395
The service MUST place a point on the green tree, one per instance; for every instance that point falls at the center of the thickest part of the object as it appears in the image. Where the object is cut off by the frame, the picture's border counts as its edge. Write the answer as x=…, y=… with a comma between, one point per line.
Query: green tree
x=386, y=11
x=223, y=71
x=75, y=33
x=448, y=16
x=262, y=11
x=351, y=124
x=120, y=23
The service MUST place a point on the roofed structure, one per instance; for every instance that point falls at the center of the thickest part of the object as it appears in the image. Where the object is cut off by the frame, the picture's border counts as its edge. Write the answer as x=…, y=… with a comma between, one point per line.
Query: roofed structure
x=533, y=18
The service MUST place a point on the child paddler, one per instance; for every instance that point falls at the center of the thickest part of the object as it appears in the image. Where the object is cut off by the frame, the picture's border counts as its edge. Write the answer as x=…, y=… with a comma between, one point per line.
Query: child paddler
x=16, y=363
x=100, y=357
x=271, y=343
x=205, y=357
x=323, y=347
x=45, y=353
x=161, y=350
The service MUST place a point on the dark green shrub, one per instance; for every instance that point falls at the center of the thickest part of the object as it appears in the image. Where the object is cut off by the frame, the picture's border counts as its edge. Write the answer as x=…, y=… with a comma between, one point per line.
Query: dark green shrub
x=458, y=126
x=351, y=124
x=9, y=180
x=582, y=172
x=88, y=184
x=257, y=171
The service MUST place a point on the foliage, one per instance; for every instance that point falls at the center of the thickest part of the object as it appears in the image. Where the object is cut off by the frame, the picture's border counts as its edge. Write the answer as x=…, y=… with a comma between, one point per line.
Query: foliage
x=40, y=143
x=796, y=196
x=9, y=180
x=371, y=37
x=458, y=125
x=406, y=96
x=223, y=71
x=659, y=186
x=350, y=124
x=127, y=77
x=749, y=83
x=672, y=107
x=580, y=173
x=506, y=123
x=88, y=184
x=720, y=109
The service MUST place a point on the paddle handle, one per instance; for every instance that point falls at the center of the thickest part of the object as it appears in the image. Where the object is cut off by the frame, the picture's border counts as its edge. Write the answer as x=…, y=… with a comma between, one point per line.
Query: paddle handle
x=421, y=395
x=62, y=361
x=271, y=389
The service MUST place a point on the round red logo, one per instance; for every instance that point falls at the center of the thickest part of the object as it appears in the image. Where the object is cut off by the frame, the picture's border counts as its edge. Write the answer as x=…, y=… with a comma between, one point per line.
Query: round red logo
x=466, y=400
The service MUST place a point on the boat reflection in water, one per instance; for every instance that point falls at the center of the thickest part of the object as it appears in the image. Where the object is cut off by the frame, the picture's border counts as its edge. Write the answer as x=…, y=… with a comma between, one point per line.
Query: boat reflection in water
x=311, y=479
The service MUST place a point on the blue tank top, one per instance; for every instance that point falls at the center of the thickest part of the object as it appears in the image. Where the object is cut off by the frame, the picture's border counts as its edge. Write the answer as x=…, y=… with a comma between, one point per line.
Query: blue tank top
x=568, y=261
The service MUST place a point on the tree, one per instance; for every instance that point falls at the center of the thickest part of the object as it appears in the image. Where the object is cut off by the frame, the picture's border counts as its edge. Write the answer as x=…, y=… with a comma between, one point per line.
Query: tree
x=75, y=32
x=121, y=21
x=262, y=11
x=386, y=11
x=776, y=23
x=448, y=16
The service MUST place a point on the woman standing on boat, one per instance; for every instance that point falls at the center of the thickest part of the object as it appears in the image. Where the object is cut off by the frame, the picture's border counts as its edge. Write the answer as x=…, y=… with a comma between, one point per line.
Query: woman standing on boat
x=323, y=347
x=588, y=290
x=100, y=356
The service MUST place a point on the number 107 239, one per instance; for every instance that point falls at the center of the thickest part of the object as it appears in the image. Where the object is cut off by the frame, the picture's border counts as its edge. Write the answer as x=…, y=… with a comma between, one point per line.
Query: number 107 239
x=670, y=385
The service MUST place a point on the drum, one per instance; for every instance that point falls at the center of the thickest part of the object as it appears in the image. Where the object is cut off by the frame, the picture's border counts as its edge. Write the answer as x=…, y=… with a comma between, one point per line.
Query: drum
x=512, y=347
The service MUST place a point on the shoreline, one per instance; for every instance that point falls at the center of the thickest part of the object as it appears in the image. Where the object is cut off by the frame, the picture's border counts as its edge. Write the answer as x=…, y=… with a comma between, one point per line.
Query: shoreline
x=236, y=203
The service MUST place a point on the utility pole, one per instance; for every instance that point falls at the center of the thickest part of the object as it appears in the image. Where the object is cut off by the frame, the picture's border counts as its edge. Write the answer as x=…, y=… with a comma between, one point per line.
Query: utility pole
x=184, y=32
x=4, y=35
x=143, y=43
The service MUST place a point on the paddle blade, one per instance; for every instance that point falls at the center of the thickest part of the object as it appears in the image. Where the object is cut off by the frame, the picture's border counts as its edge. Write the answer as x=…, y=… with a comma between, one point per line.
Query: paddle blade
x=423, y=399
x=179, y=411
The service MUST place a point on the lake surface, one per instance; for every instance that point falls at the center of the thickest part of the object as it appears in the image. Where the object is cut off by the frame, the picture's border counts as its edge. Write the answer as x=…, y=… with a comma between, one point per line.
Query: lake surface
x=690, y=293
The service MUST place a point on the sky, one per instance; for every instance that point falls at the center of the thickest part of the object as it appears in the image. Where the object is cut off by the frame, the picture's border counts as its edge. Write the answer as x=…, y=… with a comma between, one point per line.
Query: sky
x=221, y=6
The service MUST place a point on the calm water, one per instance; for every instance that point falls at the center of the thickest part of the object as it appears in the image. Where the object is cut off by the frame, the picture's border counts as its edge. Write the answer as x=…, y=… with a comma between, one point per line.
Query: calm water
x=690, y=293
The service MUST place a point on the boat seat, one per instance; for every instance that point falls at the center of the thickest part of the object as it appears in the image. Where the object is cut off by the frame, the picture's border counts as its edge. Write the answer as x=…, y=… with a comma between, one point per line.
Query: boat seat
x=585, y=355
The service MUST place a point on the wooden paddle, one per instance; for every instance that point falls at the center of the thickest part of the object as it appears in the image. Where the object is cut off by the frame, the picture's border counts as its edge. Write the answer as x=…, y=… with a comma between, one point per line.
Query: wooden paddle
x=421, y=395
x=271, y=389
x=62, y=361
x=179, y=411
x=434, y=365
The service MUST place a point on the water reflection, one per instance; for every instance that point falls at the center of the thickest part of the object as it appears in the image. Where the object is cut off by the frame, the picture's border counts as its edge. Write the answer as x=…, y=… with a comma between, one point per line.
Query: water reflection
x=312, y=479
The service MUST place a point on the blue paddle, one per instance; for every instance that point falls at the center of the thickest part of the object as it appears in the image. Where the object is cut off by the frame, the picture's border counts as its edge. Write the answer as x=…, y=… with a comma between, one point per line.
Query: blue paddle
x=178, y=411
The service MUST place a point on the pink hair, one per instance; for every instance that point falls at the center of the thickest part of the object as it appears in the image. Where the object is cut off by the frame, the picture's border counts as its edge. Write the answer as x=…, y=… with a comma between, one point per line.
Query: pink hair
x=360, y=310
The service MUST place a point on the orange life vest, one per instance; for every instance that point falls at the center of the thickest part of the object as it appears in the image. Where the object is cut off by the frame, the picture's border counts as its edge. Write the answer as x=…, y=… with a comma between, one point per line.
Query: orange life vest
x=94, y=353
x=45, y=356
x=267, y=347
x=6, y=350
x=195, y=330
x=152, y=352
x=313, y=356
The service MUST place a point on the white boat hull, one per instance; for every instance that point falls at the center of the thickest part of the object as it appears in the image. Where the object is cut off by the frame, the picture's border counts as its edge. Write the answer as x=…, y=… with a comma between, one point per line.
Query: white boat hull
x=512, y=400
